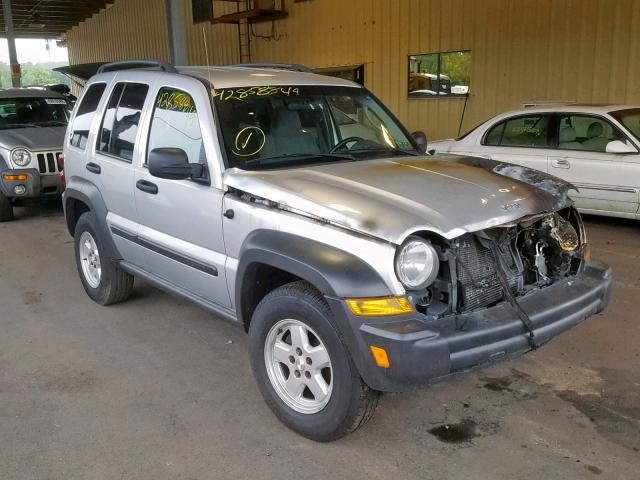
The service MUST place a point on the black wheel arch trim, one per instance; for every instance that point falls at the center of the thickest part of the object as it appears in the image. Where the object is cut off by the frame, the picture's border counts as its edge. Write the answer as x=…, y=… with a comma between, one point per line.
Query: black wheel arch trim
x=332, y=271
x=87, y=192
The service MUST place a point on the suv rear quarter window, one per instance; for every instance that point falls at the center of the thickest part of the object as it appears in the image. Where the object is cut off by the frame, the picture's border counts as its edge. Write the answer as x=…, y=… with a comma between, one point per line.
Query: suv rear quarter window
x=121, y=118
x=84, y=115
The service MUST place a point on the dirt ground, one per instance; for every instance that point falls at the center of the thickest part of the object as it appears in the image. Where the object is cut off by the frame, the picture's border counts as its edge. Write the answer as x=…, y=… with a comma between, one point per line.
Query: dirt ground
x=157, y=389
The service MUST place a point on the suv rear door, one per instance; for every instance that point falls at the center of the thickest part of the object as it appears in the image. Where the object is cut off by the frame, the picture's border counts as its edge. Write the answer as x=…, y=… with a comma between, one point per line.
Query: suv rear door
x=110, y=159
x=180, y=221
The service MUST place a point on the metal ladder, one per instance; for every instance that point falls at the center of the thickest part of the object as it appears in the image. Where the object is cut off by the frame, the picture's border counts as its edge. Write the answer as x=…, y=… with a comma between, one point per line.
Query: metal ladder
x=244, y=33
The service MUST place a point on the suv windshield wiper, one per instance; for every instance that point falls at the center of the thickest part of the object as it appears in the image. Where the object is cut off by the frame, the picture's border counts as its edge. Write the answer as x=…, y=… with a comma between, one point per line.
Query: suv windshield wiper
x=386, y=150
x=291, y=156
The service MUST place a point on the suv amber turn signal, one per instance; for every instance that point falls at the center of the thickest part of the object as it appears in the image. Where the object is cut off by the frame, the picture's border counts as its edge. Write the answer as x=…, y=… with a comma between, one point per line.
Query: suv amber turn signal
x=379, y=306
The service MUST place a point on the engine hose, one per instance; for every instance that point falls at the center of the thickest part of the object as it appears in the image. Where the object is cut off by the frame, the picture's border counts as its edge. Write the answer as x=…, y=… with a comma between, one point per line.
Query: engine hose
x=524, y=318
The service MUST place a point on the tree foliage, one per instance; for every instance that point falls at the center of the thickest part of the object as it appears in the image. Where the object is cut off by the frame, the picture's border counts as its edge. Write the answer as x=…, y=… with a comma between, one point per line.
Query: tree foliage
x=33, y=74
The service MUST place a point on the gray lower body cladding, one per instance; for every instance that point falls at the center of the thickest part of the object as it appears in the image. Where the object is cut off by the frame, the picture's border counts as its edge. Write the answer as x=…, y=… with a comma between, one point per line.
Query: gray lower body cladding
x=422, y=352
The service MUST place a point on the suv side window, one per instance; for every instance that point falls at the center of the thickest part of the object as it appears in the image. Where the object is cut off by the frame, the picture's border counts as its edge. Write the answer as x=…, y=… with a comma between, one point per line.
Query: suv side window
x=120, y=121
x=84, y=115
x=175, y=124
x=524, y=131
x=584, y=132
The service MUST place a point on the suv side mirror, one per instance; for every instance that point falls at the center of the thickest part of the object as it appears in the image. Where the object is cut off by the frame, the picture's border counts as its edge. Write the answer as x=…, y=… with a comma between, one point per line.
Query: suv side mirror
x=421, y=140
x=618, y=146
x=173, y=164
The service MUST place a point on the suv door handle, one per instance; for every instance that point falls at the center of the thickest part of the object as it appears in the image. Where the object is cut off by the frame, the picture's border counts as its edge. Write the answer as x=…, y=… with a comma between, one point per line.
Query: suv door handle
x=147, y=187
x=94, y=168
x=560, y=163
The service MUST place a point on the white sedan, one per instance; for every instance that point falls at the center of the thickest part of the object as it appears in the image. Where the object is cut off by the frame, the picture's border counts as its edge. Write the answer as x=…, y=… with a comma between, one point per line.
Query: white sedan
x=595, y=147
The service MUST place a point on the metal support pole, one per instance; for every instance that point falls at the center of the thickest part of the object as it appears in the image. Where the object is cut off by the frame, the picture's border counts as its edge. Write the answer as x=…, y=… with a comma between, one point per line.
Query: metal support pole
x=11, y=42
x=175, y=31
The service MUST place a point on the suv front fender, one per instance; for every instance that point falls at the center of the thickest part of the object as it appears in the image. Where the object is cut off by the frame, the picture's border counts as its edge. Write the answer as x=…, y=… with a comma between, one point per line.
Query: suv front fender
x=334, y=272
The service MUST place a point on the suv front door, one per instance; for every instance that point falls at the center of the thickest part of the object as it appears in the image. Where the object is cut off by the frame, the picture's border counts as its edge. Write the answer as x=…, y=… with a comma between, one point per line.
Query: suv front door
x=607, y=181
x=180, y=221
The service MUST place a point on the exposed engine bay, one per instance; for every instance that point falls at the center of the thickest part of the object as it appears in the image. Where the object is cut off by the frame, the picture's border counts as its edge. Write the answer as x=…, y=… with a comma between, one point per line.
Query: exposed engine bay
x=476, y=269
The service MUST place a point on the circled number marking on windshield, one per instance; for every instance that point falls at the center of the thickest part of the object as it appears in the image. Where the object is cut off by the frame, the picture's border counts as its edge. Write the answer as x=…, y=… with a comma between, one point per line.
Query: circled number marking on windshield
x=249, y=141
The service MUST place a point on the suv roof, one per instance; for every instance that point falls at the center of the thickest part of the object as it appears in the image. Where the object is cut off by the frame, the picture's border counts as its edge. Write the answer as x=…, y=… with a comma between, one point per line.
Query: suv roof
x=220, y=76
x=241, y=76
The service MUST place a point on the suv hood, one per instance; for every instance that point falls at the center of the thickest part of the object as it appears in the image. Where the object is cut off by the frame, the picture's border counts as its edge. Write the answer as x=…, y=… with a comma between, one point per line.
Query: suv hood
x=394, y=197
x=33, y=138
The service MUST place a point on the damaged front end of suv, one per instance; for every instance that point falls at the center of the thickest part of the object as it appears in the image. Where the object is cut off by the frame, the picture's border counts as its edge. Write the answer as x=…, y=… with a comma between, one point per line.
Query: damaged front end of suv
x=479, y=270
x=492, y=258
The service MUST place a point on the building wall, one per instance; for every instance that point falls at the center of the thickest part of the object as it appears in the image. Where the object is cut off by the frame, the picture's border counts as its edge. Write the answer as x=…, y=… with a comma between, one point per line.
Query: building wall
x=137, y=29
x=129, y=29
x=565, y=50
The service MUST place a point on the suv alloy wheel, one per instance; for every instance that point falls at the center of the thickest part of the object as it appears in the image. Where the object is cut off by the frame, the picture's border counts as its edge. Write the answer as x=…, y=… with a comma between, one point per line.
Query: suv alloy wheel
x=102, y=279
x=302, y=367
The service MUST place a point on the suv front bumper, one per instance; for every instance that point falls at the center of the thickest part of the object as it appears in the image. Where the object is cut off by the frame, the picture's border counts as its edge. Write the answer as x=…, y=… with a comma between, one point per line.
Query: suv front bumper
x=421, y=351
x=36, y=185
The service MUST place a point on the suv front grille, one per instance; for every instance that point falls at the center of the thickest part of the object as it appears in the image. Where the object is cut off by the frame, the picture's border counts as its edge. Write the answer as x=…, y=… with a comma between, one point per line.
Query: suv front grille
x=478, y=283
x=48, y=163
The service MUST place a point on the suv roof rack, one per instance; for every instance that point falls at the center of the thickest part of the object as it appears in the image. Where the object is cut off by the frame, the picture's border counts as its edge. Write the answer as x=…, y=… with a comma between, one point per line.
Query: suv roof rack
x=128, y=64
x=279, y=66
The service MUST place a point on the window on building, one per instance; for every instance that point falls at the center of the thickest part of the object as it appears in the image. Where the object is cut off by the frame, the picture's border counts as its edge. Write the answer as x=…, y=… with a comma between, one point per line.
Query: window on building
x=120, y=123
x=443, y=74
x=84, y=115
x=526, y=131
x=175, y=124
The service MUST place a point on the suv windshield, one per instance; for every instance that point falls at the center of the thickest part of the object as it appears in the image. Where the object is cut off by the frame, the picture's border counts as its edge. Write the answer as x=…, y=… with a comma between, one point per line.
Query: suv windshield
x=630, y=118
x=33, y=112
x=284, y=126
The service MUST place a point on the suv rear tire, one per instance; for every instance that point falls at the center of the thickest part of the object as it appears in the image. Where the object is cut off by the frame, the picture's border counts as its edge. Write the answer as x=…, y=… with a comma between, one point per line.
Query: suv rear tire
x=6, y=209
x=103, y=280
x=320, y=363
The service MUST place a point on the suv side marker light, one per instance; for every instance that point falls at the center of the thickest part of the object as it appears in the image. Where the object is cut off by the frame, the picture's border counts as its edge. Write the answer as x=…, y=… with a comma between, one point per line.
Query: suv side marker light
x=380, y=356
x=379, y=306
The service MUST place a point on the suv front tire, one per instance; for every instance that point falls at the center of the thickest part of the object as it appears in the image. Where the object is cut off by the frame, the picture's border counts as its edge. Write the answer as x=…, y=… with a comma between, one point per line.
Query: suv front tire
x=6, y=209
x=303, y=368
x=103, y=280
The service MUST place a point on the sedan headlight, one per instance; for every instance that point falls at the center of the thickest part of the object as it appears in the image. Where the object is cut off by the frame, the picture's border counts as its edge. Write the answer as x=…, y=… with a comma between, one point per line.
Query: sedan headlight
x=21, y=157
x=417, y=263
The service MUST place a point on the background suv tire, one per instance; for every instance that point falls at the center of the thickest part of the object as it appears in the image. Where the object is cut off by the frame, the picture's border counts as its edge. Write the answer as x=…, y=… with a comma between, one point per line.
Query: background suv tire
x=102, y=279
x=303, y=368
x=6, y=209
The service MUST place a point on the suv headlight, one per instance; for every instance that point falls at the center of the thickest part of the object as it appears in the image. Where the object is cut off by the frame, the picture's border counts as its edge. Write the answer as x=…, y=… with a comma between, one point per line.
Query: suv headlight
x=21, y=157
x=417, y=263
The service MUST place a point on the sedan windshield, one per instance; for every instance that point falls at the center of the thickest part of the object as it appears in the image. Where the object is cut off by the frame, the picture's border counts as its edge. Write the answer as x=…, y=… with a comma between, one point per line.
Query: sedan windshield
x=33, y=112
x=630, y=118
x=287, y=126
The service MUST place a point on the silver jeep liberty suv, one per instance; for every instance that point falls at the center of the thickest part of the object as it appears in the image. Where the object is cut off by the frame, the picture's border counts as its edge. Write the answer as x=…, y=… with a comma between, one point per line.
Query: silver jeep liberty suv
x=298, y=207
